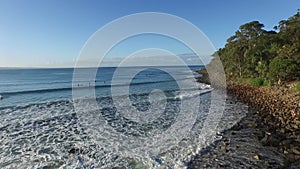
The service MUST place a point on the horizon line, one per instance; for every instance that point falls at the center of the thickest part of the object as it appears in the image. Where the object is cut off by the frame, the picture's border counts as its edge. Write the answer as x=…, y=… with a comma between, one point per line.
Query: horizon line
x=37, y=67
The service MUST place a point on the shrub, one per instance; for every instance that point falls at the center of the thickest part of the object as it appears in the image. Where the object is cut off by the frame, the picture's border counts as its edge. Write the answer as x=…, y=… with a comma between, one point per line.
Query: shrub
x=282, y=69
x=297, y=87
x=258, y=82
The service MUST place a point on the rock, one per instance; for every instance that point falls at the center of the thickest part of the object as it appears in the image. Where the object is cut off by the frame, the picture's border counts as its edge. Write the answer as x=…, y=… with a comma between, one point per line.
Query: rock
x=275, y=130
x=293, y=157
x=273, y=141
x=293, y=113
x=286, y=143
x=234, y=133
x=225, y=143
x=282, y=130
x=296, y=150
x=73, y=150
x=264, y=140
x=252, y=125
x=236, y=147
x=257, y=157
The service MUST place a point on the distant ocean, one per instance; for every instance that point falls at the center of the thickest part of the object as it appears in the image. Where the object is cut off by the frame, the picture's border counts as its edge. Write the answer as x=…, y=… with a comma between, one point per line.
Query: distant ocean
x=39, y=126
x=27, y=86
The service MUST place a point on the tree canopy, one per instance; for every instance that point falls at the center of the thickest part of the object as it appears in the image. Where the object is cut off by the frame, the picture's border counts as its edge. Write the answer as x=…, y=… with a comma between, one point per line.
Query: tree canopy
x=255, y=52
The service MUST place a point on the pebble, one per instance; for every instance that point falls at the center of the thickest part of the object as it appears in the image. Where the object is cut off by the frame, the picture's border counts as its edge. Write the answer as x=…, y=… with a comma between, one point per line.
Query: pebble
x=277, y=126
x=296, y=150
x=256, y=157
x=278, y=109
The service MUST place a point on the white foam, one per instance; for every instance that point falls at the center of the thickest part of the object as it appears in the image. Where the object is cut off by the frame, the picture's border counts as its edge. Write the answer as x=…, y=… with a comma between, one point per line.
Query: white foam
x=191, y=93
x=48, y=134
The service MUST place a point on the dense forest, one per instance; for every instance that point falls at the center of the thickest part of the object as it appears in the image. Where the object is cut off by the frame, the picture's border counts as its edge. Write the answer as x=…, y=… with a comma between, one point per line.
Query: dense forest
x=271, y=57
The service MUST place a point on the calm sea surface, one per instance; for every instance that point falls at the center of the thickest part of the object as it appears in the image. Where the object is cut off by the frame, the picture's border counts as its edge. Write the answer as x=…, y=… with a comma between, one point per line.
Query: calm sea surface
x=26, y=86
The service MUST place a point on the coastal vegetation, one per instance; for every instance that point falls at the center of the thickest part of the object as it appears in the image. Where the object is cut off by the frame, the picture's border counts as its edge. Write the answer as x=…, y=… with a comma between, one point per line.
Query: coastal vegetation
x=262, y=69
x=297, y=88
x=261, y=57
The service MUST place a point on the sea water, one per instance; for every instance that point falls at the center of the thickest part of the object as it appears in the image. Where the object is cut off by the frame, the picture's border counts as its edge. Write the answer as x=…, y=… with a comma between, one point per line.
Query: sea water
x=40, y=126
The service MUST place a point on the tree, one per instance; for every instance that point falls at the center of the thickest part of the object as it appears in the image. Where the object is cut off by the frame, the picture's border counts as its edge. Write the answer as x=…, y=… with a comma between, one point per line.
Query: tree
x=252, y=30
x=282, y=69
x=236, y=54
x=254, y=52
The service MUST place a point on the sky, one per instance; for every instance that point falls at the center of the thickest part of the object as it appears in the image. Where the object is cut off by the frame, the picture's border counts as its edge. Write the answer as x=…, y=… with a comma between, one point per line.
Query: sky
x=51, y=33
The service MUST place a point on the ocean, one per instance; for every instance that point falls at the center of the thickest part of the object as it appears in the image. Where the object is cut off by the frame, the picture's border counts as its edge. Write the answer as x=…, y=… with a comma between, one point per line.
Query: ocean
x=43, y=127
x=27, y=86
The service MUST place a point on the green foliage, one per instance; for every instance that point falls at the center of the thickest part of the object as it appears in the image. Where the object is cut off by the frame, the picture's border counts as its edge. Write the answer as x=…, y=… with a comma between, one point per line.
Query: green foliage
x=254, y=52
x=282, y=69
x=258, y=82
x=297, y=88
x=253, y=81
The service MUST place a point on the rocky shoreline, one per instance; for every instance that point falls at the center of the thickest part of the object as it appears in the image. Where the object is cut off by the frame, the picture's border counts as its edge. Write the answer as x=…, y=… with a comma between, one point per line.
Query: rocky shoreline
x=279, y=109
x=240, y=147
x=268, y=137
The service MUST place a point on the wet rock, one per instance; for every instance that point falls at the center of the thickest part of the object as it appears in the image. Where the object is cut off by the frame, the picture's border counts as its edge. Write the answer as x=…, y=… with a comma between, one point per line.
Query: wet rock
x=74, y=150
x=225, y=143
x=241, y=150
x=264, y=141
x=273, y=140
x=219, y=166
x=270, y=135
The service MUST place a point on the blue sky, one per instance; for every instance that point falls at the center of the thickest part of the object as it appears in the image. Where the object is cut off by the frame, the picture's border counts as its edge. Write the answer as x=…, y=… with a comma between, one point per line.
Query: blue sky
x=51, y=33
